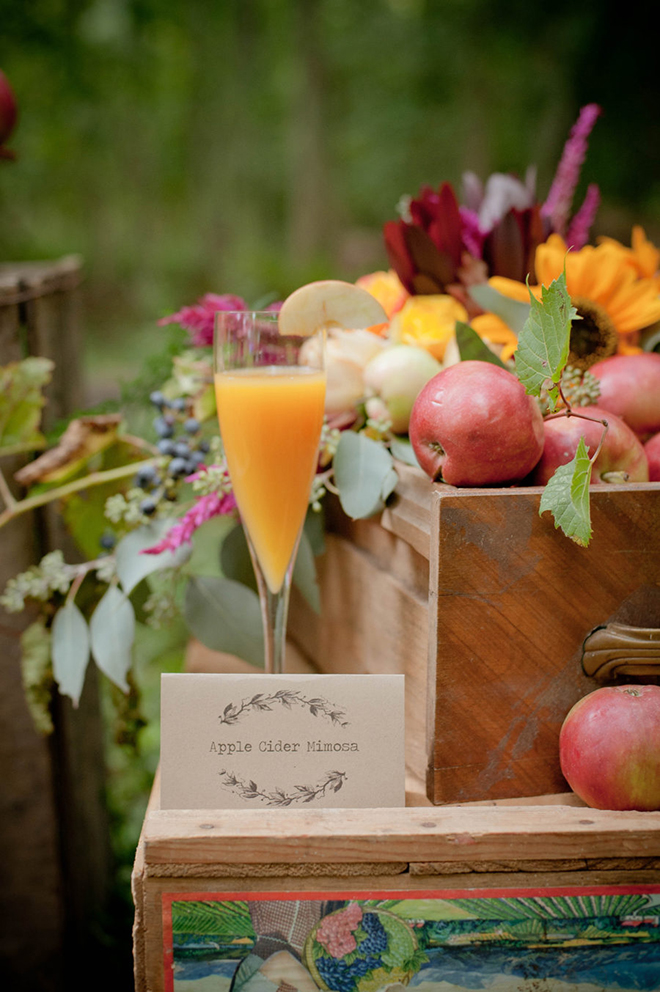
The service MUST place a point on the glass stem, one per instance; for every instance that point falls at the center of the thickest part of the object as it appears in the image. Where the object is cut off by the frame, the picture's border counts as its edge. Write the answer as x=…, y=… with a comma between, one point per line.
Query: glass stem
x=274, y=613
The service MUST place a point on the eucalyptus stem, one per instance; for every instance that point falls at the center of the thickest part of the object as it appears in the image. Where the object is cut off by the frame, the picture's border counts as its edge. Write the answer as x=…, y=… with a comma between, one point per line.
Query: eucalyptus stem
x=86, y=482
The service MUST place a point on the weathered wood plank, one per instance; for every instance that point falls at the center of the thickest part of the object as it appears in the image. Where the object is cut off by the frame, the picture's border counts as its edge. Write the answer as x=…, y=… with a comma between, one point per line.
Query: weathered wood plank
x=512, y=601
x=448, y=834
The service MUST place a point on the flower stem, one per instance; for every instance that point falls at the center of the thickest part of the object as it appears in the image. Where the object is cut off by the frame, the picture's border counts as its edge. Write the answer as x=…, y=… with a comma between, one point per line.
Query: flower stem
x=86, y=482
x=5, y=493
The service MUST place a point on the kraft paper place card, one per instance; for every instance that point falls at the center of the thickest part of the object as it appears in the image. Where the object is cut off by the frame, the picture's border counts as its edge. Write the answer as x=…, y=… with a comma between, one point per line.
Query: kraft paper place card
x=280, y=741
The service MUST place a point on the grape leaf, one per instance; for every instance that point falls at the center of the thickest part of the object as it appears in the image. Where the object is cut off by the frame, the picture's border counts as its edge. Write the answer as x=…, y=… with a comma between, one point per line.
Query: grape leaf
x=566, y=497
x=21, y=401
x=472, y=347
x=543, y=345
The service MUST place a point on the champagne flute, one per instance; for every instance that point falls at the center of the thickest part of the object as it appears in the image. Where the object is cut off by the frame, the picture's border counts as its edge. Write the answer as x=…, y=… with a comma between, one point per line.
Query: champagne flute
x=270, y=393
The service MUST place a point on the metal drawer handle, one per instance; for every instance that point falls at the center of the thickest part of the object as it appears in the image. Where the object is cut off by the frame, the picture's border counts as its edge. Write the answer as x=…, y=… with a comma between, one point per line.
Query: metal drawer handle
x=617, y=649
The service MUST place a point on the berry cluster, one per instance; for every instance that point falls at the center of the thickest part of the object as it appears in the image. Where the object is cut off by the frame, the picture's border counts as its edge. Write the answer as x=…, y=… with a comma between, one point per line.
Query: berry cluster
x=183, y=452
x=340, y=976
x=376, y=941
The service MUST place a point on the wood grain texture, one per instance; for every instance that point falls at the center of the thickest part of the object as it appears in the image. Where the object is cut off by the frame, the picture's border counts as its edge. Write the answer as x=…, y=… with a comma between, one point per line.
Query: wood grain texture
x=512, y=602
x=418, y=834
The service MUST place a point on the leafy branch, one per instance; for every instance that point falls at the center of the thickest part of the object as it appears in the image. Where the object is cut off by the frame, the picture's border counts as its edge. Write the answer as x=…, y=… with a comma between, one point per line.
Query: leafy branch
x=288, y=698
x=541, y=361
x=333, y=782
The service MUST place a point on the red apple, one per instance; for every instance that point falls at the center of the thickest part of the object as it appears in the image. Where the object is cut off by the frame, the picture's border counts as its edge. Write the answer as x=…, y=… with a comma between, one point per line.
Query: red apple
x=609, y=748
x=474, y=425
x=622, y=451
x=652, y=449
x=630, y=387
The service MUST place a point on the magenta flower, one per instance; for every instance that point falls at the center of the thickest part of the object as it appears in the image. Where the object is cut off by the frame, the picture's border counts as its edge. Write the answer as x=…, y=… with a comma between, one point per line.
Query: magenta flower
x=198, y=319
x=556, y=208
x=206, y=507
x=578, y=229
x=8, y=114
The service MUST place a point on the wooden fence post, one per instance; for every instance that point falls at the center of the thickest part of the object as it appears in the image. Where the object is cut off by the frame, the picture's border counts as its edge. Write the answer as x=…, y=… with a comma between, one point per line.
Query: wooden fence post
x=54, y=839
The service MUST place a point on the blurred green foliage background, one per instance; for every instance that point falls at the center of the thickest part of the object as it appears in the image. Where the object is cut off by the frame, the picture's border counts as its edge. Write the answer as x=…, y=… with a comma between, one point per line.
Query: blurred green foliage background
x=247, y=146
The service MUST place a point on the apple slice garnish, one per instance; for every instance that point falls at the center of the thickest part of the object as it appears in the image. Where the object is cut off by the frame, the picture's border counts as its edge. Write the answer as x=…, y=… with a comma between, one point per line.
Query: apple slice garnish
x=329, y=303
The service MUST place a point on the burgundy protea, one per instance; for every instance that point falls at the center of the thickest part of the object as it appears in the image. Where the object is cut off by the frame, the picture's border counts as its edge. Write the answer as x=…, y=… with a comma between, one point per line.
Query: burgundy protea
x=8, y=114
x=427, y=247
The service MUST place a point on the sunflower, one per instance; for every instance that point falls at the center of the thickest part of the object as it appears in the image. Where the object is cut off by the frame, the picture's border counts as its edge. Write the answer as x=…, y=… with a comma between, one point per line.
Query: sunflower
x=642, y=255
x=613, y=301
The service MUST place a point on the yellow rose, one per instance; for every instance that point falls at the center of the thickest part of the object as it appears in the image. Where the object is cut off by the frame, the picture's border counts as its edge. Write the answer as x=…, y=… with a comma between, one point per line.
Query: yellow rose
x=386, y=288
x=428, y=322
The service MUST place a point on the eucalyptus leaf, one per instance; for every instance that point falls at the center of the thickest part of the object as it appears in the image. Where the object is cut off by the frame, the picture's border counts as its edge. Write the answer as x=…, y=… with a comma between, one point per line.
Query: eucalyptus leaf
x=304, y=573
x=70, y=650
x=514, y=313
x=364, y=474
x=112, y=629
x=472, y=348
x=133, y=566
x=543, y=346
x=225, y=616
x=403, y=451
x=235, y=559
x=37, y=675
x=566, y=497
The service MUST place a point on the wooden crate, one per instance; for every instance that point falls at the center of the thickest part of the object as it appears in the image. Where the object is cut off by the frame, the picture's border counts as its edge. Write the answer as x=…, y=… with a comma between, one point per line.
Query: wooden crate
x=550, y=853
x=484, y=607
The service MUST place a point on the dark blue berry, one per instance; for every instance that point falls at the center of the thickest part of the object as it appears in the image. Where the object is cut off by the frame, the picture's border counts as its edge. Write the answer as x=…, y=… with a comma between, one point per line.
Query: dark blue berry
x=166, y=446
x=178, y=466
x=163, y=427
x=197, y=457
x=107, y=540
x=178, y=404
x=157, y=399
x=191, y=425
x=182, y=449
x=146, y=476
x=148, y=507
x=204, y=446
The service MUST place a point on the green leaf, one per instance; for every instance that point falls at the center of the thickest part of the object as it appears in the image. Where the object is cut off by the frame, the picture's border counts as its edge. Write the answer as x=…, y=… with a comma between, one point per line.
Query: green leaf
x=70, y=648
x=225, y=616
x=235, y=559
x=133, y=566
x=566, y=497
x=315, y=529
x=207, y=543
x=21, y=401
x=364, y=474
x=304, y=574
x=112, y=629
x=37, y=675
x=514, y=313
x=403, y=451
x=544, y=343
x=472, y=347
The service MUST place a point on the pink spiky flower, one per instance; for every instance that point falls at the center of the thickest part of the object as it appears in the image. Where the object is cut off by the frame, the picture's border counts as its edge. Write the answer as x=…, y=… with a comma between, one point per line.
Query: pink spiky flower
x=198, y=319
x=205, y=507
x=556, y=208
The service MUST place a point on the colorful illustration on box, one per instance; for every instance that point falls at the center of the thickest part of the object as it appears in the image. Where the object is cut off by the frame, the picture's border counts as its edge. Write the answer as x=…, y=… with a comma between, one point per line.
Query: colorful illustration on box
x=604, y=939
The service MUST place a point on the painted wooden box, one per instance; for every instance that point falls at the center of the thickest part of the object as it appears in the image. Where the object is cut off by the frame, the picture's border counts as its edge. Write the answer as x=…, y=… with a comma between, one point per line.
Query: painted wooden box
x=490, y=895
x=486, y=607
